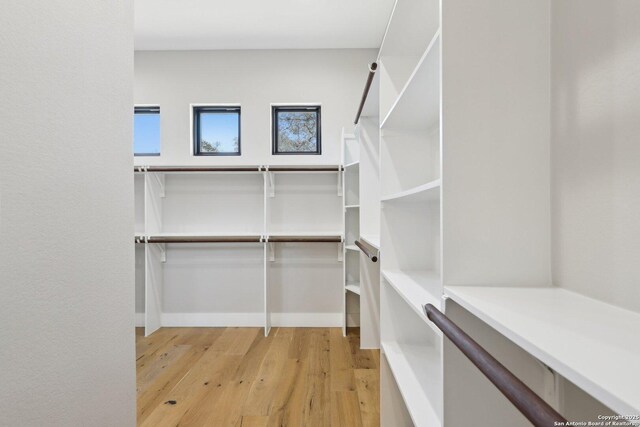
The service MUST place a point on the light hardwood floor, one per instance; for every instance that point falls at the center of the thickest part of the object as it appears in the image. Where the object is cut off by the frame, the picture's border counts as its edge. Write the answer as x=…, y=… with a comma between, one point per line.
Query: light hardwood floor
x=236, y=377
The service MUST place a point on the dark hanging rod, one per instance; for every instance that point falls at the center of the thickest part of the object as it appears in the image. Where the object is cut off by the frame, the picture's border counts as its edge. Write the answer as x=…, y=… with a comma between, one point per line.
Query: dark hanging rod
x=237, y=169
x=196, y=169
x=372, y=72
x=536, y=410
x=306, y=239
x=203, y=239
x=370, y=253
x=303, y=169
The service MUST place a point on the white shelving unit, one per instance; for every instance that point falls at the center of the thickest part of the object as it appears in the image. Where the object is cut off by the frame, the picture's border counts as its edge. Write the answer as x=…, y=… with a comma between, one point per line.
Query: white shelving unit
x=257, y=231
x=351, y=220
x=465, y=200
x=411, y=190
x=527, y=315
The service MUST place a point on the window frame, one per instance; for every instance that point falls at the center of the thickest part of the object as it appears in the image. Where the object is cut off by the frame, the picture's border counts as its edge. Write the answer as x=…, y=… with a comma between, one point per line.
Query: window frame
x=275, y=109
x=196, y=110
x=147, y=109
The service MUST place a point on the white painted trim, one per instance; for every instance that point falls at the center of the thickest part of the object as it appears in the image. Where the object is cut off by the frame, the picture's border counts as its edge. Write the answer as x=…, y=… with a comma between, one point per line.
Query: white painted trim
x=139, y=320
x=289, y=320
x=213, y=320
x=307, y=320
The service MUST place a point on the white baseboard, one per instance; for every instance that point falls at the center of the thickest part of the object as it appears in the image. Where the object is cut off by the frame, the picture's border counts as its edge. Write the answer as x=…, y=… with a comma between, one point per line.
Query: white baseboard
x=139, y=320
x=213, y=320
x=306, y=320
x=353, y=320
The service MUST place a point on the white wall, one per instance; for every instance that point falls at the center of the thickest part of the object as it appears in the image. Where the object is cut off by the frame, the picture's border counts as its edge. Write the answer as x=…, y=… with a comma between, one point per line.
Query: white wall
x=595, y=148
x=66, y=220
x=254, y=79
x=496, y=167
x=305, y=285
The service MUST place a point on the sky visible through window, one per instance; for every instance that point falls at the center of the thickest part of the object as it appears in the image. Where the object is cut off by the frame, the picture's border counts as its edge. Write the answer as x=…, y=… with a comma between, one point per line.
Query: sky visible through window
x=146, y=133
x=219, y=132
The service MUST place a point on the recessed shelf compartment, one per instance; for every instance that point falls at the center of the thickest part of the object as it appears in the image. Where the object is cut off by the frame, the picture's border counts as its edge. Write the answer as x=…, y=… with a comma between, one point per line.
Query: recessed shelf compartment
x=353, y=287
x=417, y=288
x=589, y=342
x=418, y=104
x=413, y=351
x=353, y=165
x=372, y=239
x=412, y=25
x=303, y=200
x=213, y=203
x=422, y=193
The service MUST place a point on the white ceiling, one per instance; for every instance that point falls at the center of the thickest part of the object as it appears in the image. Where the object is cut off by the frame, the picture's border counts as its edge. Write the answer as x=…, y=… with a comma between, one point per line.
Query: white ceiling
x=260, y=24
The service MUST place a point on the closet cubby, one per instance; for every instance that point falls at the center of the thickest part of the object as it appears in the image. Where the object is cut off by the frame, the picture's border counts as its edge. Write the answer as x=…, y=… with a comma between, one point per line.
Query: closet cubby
x=304, y=203
x=413, y=350
x=412, y=26
x=213, y=203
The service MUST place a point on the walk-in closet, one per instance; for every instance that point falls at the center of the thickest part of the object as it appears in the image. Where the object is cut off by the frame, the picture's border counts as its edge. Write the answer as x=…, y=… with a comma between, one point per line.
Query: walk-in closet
x=320, y=214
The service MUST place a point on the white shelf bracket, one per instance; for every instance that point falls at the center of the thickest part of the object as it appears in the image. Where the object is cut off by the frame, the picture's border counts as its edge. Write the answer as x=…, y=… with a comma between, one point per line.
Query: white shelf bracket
x=340, y=251
x=552, y=387
x=272, y=252
x=160, y=178
x=340, y=172
x=163, y=252
x=270, y=182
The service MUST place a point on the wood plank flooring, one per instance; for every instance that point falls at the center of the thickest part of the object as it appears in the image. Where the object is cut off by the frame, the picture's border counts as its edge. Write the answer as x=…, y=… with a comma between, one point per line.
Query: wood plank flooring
x=236, y=377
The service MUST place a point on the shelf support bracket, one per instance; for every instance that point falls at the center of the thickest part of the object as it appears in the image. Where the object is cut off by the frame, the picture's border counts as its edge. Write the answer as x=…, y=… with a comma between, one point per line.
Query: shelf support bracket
x=272, y=252
x=552, y=391
x=163, y=252
x=340, y=172
x=160, y=178
x=269, y=182
x=340, y=251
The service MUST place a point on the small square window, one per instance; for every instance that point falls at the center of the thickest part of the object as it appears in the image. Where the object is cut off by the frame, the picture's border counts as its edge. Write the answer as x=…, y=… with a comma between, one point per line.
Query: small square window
x=146, y=131
x=216, y=131
x=296, y=130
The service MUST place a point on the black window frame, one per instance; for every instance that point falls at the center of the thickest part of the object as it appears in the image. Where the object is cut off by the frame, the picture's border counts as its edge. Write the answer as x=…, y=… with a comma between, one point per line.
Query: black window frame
x=147, y=109
x=199, y=109
x=275, y=109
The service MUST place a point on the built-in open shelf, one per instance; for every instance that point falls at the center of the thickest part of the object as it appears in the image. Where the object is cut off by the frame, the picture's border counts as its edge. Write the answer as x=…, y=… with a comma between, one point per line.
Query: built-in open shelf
x=352, y=207
x=409, y=364
x=353, y=165
x=373, y=240
x=418, y=104
x=422, y=193
x=351, y=248
x=353, y=287
x=589, y=342
x=417, y=288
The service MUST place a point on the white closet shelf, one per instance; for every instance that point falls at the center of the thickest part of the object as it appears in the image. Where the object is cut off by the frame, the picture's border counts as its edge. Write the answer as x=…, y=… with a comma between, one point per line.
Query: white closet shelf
x=354, y=165
x=353, y=287
x=418, y=104
x=352, y=206
x=352, y=248
x=591, y=343
x=372, y=239
x=422, y=193
x=417, y=288
x=409, y=364
x=348, y=136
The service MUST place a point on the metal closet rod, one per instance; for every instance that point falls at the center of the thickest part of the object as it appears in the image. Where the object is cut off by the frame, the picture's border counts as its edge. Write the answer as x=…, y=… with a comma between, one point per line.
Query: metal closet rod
x=237, y=239
x=371, y=254
x=536, y=410
x=372, y=72
x=237, y=169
